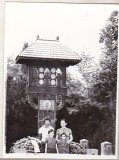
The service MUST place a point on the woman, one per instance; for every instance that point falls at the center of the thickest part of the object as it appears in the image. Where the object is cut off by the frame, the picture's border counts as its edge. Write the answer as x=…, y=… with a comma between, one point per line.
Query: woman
x=64, y=130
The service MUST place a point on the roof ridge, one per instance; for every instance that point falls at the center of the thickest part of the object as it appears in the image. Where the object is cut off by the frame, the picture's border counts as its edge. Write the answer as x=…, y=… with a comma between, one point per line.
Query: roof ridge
x=48, y=40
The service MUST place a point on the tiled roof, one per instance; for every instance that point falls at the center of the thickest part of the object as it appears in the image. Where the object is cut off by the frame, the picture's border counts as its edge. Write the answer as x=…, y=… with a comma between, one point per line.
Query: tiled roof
x=49, y=49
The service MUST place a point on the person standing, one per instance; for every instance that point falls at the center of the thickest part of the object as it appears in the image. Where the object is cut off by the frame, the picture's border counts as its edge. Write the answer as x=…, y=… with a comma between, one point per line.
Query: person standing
x=65, y=130
x=43, y=133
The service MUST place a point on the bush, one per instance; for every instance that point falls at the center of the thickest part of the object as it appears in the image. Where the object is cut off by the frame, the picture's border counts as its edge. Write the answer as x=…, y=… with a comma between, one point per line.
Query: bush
x=90, y=122
x=21, y=122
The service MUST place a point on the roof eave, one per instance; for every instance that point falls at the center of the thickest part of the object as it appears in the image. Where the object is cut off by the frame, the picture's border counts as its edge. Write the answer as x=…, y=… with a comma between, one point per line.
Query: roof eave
x=21, y=59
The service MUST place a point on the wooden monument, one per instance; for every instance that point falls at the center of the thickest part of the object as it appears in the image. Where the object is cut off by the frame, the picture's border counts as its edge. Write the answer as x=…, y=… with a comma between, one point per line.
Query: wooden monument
x=47, y=61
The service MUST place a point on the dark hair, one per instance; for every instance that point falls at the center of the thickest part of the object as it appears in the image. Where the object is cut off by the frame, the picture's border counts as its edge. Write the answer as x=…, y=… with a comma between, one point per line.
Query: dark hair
x=47, y=118
x=63, y=120
x=63, y=134
x=51, y=130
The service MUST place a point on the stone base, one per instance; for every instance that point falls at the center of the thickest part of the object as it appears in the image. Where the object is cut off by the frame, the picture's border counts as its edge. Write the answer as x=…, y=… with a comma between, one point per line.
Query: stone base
x=92, y=151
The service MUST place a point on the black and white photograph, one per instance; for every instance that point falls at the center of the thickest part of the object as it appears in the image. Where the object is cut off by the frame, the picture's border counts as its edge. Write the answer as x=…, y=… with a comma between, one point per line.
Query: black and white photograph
x=60, y=80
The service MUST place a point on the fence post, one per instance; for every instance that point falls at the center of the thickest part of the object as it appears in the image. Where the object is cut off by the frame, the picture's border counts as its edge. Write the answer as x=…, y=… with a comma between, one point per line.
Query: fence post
x=106, y=148
x=84, y=143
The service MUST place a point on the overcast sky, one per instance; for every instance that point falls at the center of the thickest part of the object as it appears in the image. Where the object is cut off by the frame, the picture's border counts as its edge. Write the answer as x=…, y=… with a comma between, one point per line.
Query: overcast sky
x=77, y=25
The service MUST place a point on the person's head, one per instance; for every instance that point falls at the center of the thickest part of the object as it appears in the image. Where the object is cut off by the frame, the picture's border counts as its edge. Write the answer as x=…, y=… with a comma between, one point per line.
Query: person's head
x=63, y=136
x=51, y=133
x=47, y=121
x=63, y=123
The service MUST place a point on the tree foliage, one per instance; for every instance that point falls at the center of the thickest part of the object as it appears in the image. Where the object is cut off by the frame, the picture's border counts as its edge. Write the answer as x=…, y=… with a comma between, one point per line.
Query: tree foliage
x=21, y=118
x=105, y=89
x=75, y=86
x=16, y=82
x=95, y=118
x=87, y=120
x=88, y=69
x=86, y=73
x=21, y=122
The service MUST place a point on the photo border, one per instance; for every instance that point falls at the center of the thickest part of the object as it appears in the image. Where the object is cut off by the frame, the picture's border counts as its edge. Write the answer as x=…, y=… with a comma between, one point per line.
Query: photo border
x=2, y=88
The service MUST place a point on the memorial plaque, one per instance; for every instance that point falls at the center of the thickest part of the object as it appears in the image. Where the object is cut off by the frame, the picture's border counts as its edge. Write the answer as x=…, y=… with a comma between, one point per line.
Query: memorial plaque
x=47, y=104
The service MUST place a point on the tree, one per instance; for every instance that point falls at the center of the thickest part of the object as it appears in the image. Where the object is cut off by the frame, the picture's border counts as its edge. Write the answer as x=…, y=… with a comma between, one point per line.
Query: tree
x=85, y=77
x=21, y=122
x=88, y=68
x=20, y=115
x=101, y=105
x=105, y=89
x=86, y=120
x=75, y=86
x=16, y=81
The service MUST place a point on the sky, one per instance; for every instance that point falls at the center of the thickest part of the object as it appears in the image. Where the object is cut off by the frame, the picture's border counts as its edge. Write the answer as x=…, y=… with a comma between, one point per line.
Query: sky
x=77, y=25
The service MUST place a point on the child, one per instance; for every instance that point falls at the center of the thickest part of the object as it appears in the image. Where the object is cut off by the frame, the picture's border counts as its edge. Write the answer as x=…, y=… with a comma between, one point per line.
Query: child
x=63, y=146
x=51, y=143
